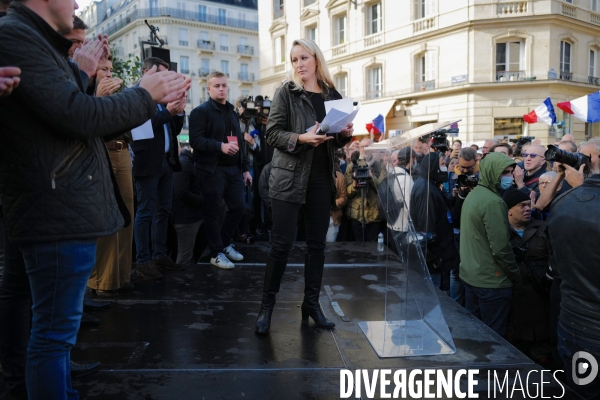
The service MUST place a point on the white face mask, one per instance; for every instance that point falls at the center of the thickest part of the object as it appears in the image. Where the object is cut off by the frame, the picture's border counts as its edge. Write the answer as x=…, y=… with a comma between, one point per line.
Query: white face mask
x=443, y=169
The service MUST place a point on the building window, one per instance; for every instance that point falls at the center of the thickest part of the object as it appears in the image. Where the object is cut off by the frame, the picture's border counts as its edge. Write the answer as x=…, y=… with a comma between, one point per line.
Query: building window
x=181, y=6
x=243, y=41
x=311, y=32
x=222, y=16
x=508, y=61
x=135, y=40
x=565, y=60
x=204, y=67
x=374, y=82
x=424, y=8
x=594, y=5
x=184, y=64
x=225, y=67
x=508, y=126
x=183, y=37
x=277, y=9
x=341, y=84
x=374, y=19
x=279, y=50
x=203, y=96
x=202, y=13
x=426, y=71
x=592, y=71
x=153, y=8
x=224, y=42
x=339, y=30
x=244, y=72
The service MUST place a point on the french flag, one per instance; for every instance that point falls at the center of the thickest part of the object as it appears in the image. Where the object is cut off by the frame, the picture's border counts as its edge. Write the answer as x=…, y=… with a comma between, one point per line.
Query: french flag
x=543, y=113
x=586, y=108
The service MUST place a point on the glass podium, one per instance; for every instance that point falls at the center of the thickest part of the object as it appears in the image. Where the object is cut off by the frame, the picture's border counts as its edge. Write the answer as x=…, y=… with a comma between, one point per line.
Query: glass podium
x=413, y=324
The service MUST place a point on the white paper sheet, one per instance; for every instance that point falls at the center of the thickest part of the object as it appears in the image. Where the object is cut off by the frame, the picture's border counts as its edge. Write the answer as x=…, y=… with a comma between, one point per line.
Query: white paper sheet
x=143, y=131
x=339, y=114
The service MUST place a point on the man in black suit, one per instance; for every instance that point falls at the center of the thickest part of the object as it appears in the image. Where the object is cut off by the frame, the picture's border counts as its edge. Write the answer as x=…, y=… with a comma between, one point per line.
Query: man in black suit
x=154, y=161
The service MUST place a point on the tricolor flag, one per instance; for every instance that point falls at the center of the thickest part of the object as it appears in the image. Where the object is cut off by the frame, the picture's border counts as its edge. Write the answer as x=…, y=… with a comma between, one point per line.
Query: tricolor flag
x=586, y=108
x=377, y=125
x=543, y=113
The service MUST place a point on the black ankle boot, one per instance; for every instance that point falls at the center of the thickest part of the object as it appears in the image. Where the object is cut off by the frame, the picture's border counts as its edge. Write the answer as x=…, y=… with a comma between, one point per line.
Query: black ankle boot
x=273, y=275
x=313, y=275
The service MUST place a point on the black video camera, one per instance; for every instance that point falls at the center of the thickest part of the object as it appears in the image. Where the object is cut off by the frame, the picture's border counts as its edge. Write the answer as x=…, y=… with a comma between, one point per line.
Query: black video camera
x=264, y=104
x=469, y=181
x=360, y=172
x=523, y=140
x=439, y=140
x=575, y=160
x=250, y=108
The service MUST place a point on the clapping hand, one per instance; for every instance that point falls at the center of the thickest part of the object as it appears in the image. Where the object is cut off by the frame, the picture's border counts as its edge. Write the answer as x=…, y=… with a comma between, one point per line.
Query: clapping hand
x=108, y=86
x=165, y=86
x=9, y=80
x=87, y=57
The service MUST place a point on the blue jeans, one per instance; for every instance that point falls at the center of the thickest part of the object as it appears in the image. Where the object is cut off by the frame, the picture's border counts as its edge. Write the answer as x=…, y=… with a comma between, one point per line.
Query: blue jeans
x=489, y=305
x=58, y=274
x=571, y=342
x=457, y=289
x=155, y=199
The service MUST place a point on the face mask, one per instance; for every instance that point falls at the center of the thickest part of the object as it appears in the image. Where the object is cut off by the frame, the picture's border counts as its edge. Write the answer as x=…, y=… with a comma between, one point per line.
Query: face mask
x=444, y=169
x=506, y=182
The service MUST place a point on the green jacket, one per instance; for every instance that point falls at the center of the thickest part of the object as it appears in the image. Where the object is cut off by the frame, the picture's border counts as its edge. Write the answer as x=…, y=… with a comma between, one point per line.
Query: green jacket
x=487, y=259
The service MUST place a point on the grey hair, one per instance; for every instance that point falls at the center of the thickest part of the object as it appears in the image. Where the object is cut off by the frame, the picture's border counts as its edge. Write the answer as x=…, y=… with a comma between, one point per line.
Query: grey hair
x=595, y=142
x=467, y=154
x=550, y=174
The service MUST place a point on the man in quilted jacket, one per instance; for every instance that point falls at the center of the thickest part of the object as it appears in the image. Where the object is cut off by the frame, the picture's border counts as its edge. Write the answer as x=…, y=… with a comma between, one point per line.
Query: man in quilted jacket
x=57, y=188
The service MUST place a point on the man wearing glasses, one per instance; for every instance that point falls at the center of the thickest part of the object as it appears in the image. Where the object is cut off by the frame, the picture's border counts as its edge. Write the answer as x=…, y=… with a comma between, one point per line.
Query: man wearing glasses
x=534, y=166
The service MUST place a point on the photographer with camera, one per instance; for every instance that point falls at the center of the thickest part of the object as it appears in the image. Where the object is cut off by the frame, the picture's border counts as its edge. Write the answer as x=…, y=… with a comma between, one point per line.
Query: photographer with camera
x=529, y=323
x=573, y=231
x=487, y=263
x=363, y=175
x=429, y=213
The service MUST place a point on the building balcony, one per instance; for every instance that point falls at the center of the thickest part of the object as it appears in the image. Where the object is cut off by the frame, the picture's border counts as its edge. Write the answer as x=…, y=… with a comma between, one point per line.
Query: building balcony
x=184, y=43
x=109, y=28
x=425, y=85
x=185, y=71
x=339, y=50
x=593, y=80
x=246, y=77
x=566, y=76
x=374, y=94
x=513, y=9
x=224, y=48
x=505, y=76
x=245, y=50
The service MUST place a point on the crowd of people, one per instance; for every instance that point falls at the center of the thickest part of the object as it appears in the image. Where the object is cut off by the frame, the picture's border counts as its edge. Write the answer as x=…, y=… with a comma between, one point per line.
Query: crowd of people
x=94, y=181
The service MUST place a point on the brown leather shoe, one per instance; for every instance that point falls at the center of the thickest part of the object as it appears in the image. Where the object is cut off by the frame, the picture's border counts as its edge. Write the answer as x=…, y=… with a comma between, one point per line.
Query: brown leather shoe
x=167, y=263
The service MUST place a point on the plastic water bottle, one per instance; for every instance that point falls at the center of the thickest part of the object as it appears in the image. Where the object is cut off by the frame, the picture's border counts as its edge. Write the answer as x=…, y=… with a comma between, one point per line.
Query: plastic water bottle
x=380, y=242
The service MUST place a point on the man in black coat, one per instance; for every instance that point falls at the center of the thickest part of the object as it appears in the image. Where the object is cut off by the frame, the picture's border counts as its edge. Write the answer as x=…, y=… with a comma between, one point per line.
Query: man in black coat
x=429, y=214
x=154, y=161
x=58, y=191
x=222, y=169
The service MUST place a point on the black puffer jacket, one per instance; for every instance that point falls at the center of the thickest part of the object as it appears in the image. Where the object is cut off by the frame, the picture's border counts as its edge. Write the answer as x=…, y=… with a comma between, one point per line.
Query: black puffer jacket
x=292, y=113
x=429, y=213
x=55, y=174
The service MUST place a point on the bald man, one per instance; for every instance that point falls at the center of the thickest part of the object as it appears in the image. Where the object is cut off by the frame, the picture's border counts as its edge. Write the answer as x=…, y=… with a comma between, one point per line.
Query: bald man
x=527, y=174
x=567, y=137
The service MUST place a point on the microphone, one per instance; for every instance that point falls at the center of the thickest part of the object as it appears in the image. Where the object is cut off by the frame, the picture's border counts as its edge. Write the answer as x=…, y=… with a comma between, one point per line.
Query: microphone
x=323, y=129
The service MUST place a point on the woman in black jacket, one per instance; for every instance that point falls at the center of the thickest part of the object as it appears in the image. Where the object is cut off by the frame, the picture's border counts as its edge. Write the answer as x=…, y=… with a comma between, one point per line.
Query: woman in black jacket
x=302, y=174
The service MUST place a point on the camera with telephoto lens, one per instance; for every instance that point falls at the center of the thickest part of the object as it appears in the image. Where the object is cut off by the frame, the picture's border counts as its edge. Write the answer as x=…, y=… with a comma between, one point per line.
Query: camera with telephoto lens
x=575, y=160
x=250, y=108
x=469, y=181
x=439, y=140
x=360, y=172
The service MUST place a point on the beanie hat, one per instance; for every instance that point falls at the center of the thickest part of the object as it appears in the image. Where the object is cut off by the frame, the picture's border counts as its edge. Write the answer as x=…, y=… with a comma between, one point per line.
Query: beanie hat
x=513, y=196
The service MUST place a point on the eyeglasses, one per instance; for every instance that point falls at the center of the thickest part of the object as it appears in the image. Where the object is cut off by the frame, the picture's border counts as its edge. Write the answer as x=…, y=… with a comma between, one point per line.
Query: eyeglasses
x=543, y=183
x=532, y=155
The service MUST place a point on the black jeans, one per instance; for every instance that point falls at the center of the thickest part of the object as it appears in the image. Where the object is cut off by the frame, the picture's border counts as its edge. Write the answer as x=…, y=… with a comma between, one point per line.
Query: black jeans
x=225, y=184
x=15, y=317
x=317, y=210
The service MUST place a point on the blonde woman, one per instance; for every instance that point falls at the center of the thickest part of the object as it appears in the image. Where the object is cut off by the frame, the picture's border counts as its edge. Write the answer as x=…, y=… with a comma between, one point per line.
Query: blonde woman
x=302, y=176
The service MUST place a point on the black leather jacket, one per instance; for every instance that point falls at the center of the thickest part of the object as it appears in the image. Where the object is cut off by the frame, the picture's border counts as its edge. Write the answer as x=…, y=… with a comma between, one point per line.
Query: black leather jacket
x=207, y=130
x=573, y=231
x=292, y=114
x=56, y=180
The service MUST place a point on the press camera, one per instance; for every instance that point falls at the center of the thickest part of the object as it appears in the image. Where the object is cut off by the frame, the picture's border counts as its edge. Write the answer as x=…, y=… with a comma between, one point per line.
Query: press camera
x=469, y=181
x=360, y=173
x=439, y=140
x=575, y=160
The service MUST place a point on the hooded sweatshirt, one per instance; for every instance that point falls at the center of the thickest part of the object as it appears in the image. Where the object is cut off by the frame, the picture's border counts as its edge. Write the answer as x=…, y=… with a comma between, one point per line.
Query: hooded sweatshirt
x=487, y=259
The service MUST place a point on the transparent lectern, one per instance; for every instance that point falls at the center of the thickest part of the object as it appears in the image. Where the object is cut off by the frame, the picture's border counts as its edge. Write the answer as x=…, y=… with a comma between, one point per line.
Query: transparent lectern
x=413, y=324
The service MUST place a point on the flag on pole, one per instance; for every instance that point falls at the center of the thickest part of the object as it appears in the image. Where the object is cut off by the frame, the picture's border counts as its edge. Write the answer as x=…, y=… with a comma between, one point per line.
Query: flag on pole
x=543, y=113
x=586, y=108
